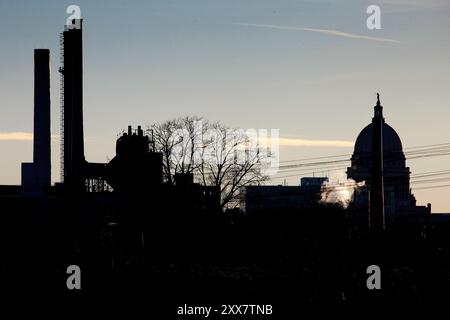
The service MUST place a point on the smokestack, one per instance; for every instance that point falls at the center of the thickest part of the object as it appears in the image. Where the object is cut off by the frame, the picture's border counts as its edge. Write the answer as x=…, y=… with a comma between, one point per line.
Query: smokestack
x=36, y=176
x=376, y=213
x=42, y=135
x=72, y=73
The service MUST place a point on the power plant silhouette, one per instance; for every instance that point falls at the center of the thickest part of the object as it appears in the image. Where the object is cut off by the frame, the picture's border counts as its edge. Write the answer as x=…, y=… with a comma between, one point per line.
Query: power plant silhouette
x=135, y=170
x=135, y=167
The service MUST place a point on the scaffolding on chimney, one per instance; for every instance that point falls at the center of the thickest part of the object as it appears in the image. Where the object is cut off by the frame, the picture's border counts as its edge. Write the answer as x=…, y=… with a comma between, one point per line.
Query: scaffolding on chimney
x=61, y=119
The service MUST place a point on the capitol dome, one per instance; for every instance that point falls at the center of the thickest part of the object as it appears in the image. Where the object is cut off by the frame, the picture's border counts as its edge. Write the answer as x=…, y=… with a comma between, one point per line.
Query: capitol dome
x=396, y=175
x=391, y=140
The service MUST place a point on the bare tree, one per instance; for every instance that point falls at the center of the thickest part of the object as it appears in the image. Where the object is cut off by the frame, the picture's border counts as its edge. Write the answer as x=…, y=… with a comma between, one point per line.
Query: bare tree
x=162, y=134
x=230, y=162
x=178, y=141
x=217, y=156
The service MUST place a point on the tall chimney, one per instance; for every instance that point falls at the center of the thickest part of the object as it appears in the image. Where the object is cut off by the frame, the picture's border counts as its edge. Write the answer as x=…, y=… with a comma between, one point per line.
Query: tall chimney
x=42, y=135
x=376, y=213
x=36, y=176
x=72, y=73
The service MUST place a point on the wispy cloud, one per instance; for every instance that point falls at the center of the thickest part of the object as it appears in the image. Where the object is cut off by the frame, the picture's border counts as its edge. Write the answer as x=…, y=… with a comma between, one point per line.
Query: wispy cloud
x=297, y=142
x=293, y=142
x=284, y=142
x=20, y=136
x=325, y=31
x=16, y=136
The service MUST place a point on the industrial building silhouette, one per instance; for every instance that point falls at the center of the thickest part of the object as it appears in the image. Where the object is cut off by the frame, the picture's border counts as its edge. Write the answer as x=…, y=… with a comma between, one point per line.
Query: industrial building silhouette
x=136, y=170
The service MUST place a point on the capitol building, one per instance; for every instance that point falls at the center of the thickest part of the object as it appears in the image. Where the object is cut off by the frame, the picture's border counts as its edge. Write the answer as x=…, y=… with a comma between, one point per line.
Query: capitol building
x=398, y=199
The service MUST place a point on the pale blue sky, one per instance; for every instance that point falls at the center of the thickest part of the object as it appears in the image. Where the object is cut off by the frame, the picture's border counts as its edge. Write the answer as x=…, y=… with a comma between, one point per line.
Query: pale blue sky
x=148, y=61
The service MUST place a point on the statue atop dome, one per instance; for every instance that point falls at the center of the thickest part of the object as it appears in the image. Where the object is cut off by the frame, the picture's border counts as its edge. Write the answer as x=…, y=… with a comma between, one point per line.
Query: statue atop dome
x=378, y=108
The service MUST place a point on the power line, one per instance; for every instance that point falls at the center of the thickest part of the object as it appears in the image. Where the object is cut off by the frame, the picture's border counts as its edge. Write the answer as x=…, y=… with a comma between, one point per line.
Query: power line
x=417, y=155
x=431, y=180
x=430, y=172
x=313, y=170
x=430, y=147
x=419, y=177
x=433, y=187
x=318, y=158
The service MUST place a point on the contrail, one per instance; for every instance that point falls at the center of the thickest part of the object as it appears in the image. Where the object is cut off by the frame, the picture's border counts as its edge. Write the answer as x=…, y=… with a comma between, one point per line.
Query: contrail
x=326, y=31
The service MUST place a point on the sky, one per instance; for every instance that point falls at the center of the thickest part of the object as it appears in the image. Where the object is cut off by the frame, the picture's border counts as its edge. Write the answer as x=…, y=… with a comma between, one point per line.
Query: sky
x=308, y=68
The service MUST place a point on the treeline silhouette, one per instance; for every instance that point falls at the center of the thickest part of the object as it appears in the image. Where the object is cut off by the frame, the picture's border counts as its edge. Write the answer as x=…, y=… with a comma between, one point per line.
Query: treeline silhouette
x=158, y=253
